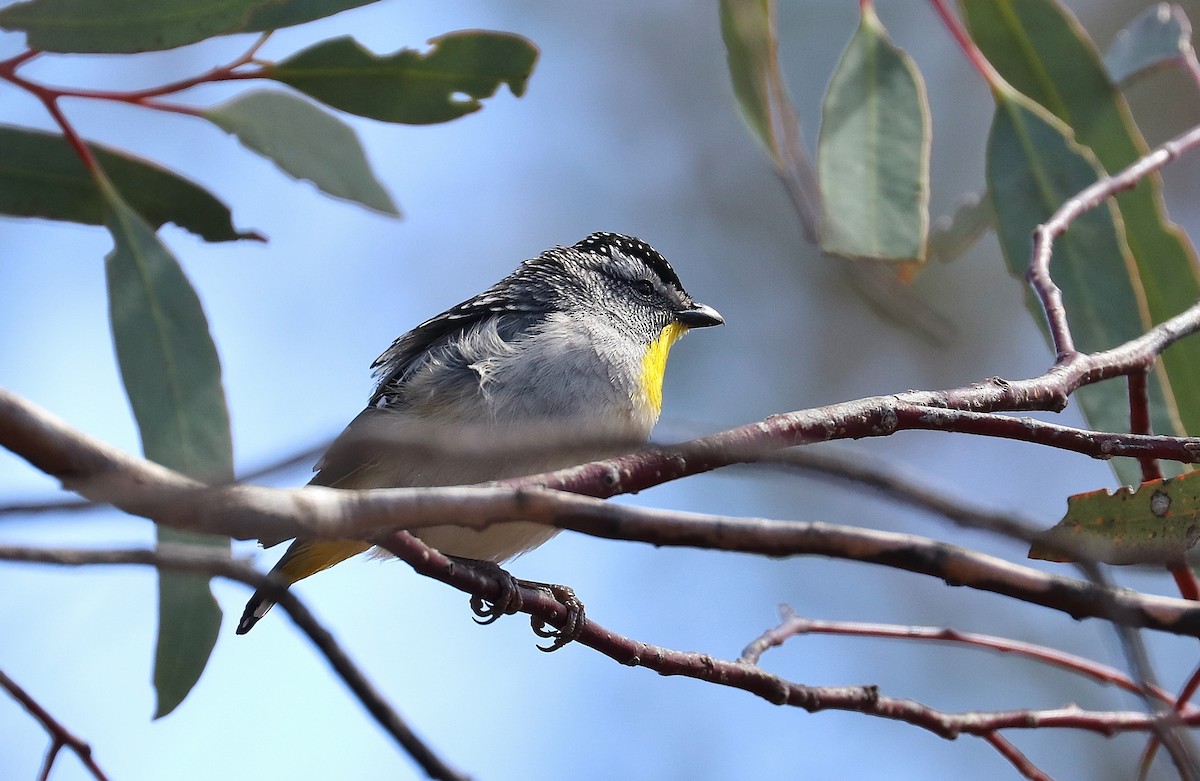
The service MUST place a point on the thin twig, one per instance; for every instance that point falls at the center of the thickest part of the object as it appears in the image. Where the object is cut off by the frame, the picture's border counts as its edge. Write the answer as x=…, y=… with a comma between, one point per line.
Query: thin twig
x=1139, y=420
x=1021, y=762
x=792, y=625
x=60, y=736
x=1091, y=197
x=751, y=678
x=189, y=559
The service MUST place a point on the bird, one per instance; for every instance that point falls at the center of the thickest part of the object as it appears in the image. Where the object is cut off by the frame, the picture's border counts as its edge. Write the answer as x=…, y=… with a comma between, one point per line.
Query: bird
x=559, y=363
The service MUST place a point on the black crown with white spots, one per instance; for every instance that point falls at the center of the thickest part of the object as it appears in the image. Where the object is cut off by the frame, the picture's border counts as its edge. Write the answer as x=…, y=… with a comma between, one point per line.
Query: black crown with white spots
x=603, y=242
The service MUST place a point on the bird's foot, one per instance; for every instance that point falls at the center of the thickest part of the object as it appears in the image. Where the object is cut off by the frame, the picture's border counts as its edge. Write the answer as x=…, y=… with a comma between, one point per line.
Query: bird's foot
x=509, y=601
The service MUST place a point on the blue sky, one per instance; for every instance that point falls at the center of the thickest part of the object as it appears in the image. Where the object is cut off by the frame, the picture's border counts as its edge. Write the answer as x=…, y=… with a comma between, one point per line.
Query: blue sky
x=628, y=125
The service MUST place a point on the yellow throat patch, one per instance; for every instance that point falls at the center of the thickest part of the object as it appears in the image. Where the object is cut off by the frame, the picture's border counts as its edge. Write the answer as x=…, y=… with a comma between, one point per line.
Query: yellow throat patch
x=654, y=364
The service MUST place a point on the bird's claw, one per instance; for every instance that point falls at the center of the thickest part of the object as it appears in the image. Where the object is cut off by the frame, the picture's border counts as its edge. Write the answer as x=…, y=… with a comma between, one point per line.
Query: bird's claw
x=508, y=601
x=571, y=629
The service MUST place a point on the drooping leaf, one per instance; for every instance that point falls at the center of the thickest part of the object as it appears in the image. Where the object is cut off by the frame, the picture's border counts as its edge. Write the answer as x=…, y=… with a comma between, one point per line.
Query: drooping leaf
x=124, y=26
x=1043, y=51
x=443, y=84
x=1033, y=167
x=306, y=142
x=1156, y=523
x=873, y=152
x=41, y=176
x=1159, y=36
x=172, y=375
x=748, y=28
x=951, y=235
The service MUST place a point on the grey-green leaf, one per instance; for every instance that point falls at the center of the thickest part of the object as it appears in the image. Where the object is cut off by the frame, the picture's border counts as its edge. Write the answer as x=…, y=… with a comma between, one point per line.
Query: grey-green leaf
x=445, y=83
x=124, y=26
x=172, y=375
x=747, y=29
x=1159, y=36
x=306, y=143
x=873, y=152
x=952, y=235
x=1033, y=167
x=41, y=176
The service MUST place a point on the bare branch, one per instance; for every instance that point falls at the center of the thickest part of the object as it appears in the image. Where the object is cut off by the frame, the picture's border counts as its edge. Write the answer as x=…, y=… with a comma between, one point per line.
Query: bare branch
x=60, y=736
x=307, y=456
x=793, y=625
x=275, y=514
x=1043, y=238
x=187, y=559
x=751, y=678
x=1014, y=755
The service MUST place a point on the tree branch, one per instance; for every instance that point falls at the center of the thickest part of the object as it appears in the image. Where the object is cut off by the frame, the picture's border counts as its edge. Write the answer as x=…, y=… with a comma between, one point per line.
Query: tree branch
x=103, y=473
x=793, y=625
x=60, y=736
x=188, y=559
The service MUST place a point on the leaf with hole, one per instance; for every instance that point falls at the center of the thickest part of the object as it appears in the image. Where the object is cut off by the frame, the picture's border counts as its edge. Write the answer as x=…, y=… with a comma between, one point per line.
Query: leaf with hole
x=1152, y=524
x=411, y=87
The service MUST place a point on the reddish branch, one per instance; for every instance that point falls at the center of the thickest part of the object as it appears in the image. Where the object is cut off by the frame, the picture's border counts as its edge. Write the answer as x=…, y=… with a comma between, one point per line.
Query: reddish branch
x=753, y=679
x=60, y=736
x=147, y=98
x=793, y=625
x=103, y=473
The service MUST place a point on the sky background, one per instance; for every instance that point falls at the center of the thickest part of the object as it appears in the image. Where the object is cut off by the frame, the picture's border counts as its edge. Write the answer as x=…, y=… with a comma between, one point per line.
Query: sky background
x=628, y=125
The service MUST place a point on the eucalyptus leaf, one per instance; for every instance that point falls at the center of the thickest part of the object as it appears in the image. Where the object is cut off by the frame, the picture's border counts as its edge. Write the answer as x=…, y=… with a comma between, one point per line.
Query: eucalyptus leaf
x=125, y=26
x=42, y=176
x=1156, y=523
x=172, y=375
x=747, y=28
x=1043, y=51
x=953, y=234
x=411, y=87
x=873, y=152
x=1158, y=37
x=306, y=143
x=1033, y=167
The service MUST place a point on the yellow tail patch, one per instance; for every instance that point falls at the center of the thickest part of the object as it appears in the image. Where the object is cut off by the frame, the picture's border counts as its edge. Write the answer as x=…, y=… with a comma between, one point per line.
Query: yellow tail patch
x=654, y=364
x=308, y=557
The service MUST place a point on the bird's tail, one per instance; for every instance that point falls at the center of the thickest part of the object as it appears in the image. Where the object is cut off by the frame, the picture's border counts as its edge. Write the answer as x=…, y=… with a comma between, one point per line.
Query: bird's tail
x=303, y=558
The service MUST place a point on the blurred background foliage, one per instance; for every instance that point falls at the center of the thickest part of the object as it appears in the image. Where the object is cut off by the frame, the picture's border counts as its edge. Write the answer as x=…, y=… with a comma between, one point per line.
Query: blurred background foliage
x=628, y=124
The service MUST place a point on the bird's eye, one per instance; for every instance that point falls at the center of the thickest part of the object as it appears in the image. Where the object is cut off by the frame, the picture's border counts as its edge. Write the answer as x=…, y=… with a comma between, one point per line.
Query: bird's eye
x=644, y=288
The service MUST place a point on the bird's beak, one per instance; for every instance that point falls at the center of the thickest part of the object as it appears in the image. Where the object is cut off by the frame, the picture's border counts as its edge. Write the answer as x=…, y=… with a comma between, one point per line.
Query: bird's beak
x=699, y=316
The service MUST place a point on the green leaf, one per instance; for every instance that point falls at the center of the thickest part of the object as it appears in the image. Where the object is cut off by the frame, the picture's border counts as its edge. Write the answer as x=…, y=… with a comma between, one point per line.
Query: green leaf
x=172, y=375
x=447, y=82
x=41, y=176
x=873, y=152
x=188, y=622
x=952, y=235
x=124, y=26
x=748, y=29
x=1157, y=37
x=1033, y=167
x=1154, y=524
x=306, y=143
x=1043, y=52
